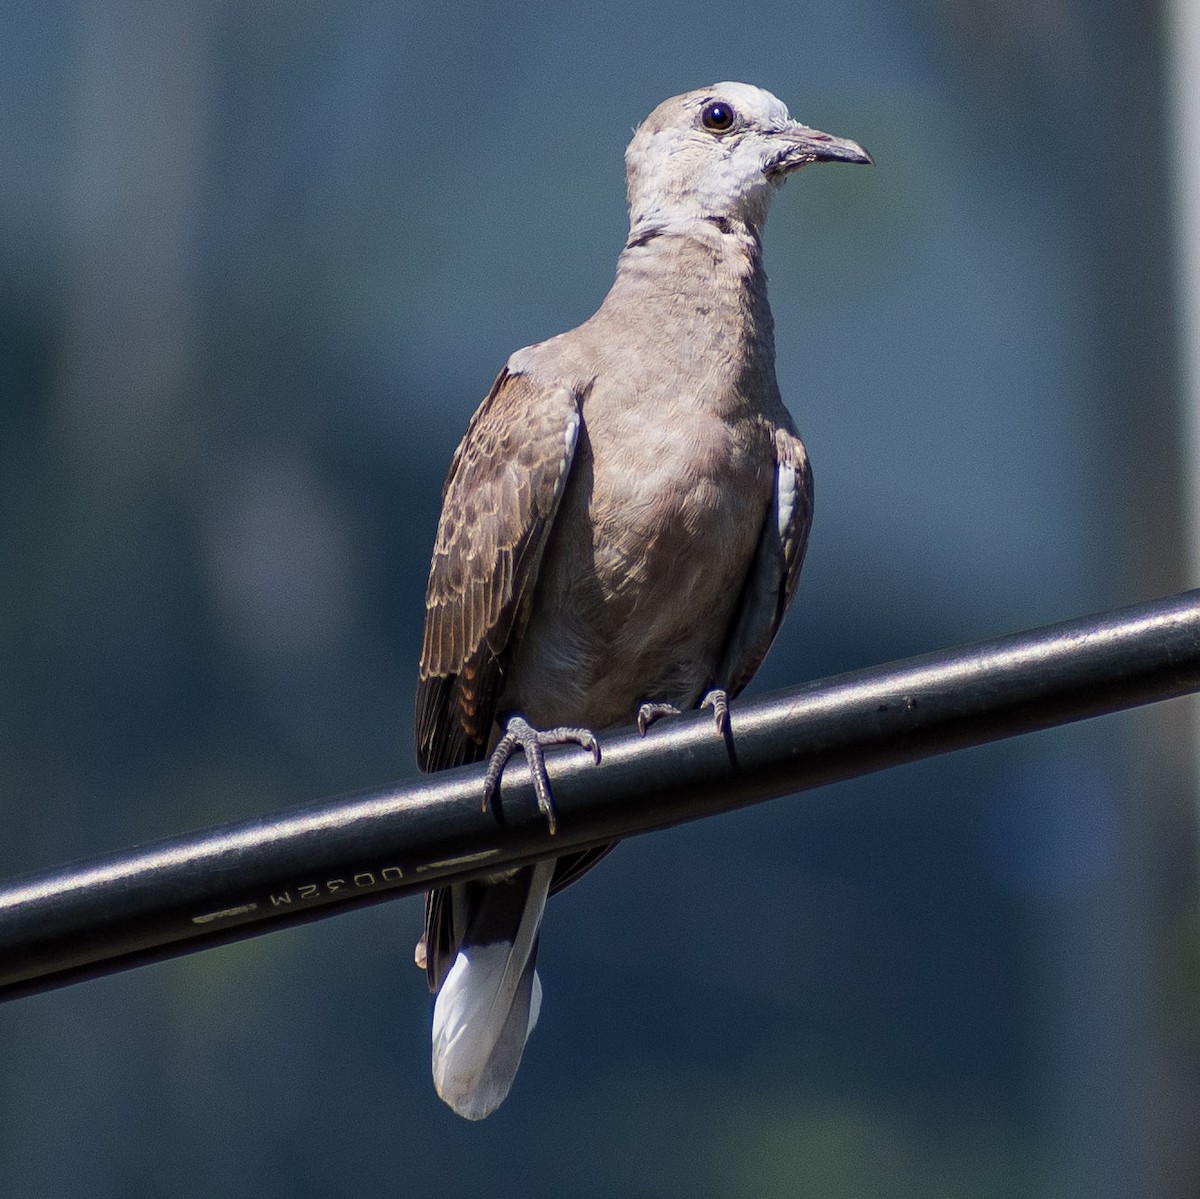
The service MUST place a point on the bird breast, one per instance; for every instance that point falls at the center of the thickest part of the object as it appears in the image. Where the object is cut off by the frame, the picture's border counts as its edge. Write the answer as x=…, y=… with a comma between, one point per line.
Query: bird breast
x=645, y=563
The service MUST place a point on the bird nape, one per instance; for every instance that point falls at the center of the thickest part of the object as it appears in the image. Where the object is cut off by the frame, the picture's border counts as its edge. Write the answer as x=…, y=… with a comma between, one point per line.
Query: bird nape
x=622, y=530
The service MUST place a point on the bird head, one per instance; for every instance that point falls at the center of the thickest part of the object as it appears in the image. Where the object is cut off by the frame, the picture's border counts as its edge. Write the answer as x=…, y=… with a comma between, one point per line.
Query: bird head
x=721, y=152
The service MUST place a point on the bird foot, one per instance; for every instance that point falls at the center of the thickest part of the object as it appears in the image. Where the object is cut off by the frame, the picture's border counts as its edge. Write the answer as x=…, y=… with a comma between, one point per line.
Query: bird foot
x=520, y=734
x=718, y=700
x=648, y=713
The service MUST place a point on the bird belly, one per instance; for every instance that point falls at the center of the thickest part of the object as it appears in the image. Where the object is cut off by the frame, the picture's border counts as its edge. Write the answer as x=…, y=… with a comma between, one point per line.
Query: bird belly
x=642, y=573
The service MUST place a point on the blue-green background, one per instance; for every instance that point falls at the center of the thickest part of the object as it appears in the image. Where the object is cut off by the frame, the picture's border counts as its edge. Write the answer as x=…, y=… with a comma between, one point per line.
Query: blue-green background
x=258, y=263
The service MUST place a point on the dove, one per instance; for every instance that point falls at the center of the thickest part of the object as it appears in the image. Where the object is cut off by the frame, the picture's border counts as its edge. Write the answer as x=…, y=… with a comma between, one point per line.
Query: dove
x=622, y=529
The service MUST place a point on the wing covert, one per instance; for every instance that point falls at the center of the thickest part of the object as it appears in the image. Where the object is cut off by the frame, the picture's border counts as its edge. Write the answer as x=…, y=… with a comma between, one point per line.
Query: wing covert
x=771, y=583
x=498, y=504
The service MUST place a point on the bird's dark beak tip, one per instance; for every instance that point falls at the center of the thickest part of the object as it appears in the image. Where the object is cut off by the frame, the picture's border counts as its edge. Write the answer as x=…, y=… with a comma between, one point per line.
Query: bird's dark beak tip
x=841, y=151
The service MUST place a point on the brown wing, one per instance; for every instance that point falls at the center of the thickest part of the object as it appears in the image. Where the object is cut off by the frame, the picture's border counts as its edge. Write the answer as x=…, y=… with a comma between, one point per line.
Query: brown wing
x=498, y=504
x=771, y=584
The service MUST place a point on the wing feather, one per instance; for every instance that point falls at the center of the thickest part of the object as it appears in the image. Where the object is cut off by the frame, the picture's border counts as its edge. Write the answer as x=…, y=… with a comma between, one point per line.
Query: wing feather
x=499, y=502
x=771, y=583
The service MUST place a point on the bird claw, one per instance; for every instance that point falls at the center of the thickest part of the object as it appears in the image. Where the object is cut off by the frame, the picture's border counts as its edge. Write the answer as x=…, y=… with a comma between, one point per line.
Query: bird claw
x=649, y=712
x=520, y=734
x=718, y=700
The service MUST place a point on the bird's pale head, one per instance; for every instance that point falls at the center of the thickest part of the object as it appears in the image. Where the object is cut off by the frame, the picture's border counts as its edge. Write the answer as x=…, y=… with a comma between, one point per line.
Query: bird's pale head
x=721, y=151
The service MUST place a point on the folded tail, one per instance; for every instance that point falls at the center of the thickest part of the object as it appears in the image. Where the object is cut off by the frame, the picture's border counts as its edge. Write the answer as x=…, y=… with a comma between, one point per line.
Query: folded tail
x=490, y=998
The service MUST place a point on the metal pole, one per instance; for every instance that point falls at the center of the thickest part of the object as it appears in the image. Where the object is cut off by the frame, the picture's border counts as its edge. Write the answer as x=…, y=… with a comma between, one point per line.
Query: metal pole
x=200, y=889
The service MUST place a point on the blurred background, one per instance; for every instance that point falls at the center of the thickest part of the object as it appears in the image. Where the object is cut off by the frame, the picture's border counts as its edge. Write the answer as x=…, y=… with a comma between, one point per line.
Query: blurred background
x=258, y=264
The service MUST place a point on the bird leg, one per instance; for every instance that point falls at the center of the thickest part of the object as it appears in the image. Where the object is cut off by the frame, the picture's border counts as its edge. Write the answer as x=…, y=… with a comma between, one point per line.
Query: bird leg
x=717, y=699
x=520, y=734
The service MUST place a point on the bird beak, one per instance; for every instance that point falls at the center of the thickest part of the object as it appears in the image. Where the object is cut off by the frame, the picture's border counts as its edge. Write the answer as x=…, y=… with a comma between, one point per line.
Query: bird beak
x=800, y=145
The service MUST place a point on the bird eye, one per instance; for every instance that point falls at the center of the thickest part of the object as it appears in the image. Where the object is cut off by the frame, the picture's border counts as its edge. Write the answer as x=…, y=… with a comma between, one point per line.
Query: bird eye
x=717, y=116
